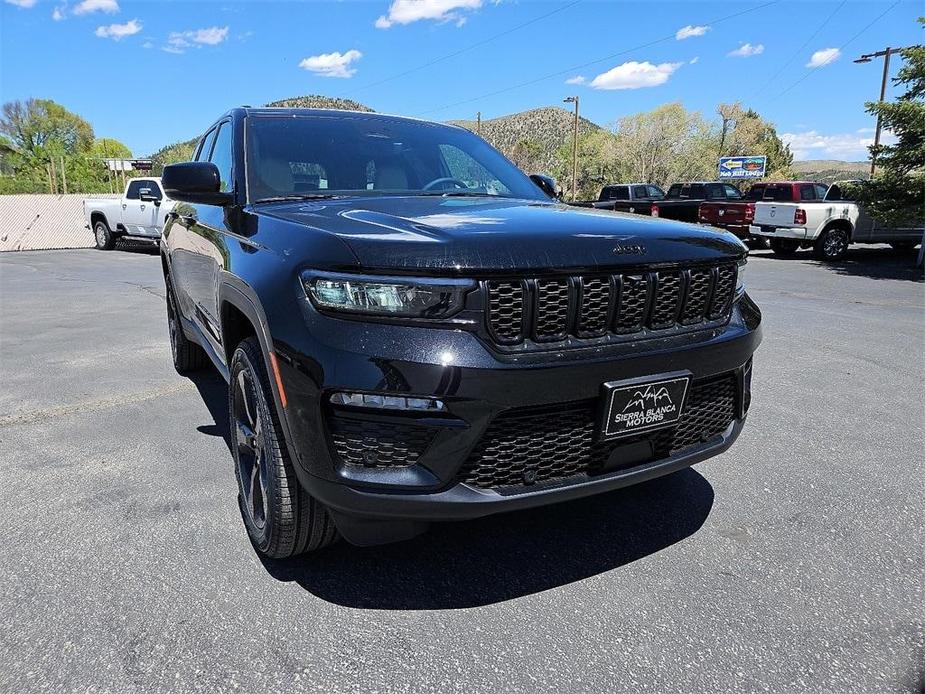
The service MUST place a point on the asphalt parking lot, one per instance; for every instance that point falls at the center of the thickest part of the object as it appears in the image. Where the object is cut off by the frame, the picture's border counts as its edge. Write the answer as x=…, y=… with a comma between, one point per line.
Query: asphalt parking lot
x=793, y=563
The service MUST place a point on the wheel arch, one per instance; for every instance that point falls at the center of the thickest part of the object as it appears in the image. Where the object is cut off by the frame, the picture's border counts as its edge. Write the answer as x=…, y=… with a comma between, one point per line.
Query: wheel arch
x=839, y=224
x=97, y=216
x=240, y=316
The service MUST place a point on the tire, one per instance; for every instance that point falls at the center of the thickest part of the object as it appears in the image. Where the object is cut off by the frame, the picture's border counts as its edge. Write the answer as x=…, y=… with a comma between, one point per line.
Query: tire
x=832, y=244
x=281, y=518
x=105, y=241
x=786, y=248
x=188, y=357
x=904, y=246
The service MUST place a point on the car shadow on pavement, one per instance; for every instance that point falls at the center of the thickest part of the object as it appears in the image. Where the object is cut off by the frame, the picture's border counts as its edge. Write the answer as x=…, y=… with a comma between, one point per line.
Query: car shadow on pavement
x=879, y=263
x=214, y=393
x=490, y=560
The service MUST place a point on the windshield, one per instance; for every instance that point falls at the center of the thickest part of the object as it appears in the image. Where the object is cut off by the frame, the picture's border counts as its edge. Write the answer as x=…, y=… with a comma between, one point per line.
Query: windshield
x=350, y=154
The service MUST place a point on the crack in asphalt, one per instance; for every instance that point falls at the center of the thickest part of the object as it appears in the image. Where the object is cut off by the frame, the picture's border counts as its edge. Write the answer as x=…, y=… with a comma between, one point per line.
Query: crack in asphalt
x=93, y=405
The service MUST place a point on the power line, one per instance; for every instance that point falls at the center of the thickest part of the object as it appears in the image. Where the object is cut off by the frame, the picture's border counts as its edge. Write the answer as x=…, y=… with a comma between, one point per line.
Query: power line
x=842, y=47
x=467, y=48
x=799, y=50
x=593, y=62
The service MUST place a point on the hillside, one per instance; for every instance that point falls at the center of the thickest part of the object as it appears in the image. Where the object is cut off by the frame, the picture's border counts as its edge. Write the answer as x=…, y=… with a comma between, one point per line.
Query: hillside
x=828, y=170
x=318, y=101
x=541, y=129
x=183, y=151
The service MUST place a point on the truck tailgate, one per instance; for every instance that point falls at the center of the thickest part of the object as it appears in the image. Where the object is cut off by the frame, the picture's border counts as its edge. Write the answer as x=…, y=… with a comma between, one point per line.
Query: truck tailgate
x=725, y=213
x=777, y=214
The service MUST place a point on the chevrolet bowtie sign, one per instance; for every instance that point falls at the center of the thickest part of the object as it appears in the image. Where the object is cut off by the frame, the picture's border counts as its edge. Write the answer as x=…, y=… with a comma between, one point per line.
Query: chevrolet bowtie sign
x=742, y=167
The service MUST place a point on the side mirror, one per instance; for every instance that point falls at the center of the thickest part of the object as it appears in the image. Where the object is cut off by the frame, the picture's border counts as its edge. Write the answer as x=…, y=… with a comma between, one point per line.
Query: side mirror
x=145, y=195
x=547, y=184
x=196, y=182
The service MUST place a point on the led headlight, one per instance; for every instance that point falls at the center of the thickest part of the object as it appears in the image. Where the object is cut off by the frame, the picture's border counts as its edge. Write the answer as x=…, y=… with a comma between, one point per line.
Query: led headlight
x=392, y=296
x=740, y=278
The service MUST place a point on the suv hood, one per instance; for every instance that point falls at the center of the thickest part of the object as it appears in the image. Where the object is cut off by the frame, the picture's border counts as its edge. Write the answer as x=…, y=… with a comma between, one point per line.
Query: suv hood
x=465, y=235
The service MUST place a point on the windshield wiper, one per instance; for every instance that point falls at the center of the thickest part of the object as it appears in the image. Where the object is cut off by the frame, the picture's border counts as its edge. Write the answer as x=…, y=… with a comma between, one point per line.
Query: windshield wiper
x=460, y=194
x=304, y=196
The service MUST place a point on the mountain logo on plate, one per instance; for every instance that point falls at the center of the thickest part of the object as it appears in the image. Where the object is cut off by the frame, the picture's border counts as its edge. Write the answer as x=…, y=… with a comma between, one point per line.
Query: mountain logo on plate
x=643, y=406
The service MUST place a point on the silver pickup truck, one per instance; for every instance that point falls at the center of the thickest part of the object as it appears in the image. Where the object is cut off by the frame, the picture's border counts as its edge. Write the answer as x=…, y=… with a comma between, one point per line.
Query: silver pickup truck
x=138, y=215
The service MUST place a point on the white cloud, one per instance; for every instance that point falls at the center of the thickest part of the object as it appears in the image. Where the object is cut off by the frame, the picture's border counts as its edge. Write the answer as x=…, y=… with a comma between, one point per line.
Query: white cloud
x=689, y=31
x=88, y=6
x=824, y=57
x=811, y=144
x=693, y=61
x=334, y=64
x=117, y=32
x=22, y=3
x=633, y=75
x=408, y=11
x=179, y=41
x=577, y=79
x=58, y=13
x=747, y=50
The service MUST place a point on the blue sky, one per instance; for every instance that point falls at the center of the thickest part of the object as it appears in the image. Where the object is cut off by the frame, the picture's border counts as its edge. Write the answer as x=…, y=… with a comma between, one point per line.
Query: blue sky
x=151, y=73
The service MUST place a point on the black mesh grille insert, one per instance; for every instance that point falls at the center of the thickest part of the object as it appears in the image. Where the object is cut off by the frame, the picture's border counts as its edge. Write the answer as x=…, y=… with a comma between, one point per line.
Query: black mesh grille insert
x=723, y=291
x=535, y=445
x=551, y=309
x=634, y=301
x=378, y=444
x=698, y=292
x=667, y=300
x=506, y=311
x=593, y=307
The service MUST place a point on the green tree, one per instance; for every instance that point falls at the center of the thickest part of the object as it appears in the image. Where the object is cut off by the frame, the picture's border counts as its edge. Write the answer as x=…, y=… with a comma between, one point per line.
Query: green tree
x=897, y=195
x=171, y=154
x=744, y=132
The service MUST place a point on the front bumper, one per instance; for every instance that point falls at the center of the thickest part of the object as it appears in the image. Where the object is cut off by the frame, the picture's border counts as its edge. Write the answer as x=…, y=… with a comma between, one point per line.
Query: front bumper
x=771, y=232
x=331, y=444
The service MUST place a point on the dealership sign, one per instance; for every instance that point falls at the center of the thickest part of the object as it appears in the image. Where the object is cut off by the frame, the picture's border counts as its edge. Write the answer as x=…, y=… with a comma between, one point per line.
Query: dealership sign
x=742, y=167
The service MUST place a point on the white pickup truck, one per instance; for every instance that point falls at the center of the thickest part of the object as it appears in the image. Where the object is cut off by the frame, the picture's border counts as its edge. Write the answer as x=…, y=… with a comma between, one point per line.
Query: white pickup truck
x=139, y=214
x=828, y=226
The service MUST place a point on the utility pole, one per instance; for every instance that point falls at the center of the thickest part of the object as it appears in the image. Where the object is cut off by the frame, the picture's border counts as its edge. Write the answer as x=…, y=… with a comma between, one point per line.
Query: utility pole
x=866, y=58
x=574, y=100
x=478, y=123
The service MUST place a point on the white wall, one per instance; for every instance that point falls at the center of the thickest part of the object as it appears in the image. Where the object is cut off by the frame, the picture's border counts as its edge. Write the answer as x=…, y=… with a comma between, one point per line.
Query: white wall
x=34, y=222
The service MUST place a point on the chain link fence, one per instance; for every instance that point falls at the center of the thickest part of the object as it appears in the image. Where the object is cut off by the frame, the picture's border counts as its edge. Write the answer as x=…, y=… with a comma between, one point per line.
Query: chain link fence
x=38, y=221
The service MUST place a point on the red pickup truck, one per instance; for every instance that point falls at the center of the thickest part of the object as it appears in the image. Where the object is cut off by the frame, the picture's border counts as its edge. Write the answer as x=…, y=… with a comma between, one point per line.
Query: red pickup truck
x=735, y=216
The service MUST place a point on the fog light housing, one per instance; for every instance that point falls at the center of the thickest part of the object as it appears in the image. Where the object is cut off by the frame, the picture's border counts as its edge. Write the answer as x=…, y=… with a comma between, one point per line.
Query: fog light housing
x=388, y=402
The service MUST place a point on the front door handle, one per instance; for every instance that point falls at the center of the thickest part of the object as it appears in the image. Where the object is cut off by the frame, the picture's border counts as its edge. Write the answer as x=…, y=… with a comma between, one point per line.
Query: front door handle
x=124, y=205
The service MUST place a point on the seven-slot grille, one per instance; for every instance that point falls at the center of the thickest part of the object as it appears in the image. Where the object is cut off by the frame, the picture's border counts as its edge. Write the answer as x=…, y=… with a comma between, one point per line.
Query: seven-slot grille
x=592, y=306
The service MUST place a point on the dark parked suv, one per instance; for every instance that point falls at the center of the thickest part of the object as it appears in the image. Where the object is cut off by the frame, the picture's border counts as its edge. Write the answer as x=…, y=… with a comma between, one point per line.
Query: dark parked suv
x=413, y=332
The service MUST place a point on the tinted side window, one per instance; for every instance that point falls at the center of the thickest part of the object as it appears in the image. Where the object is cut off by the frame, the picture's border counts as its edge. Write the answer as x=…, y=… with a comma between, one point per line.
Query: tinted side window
x=714, y=191
x=639, y=191
x=779, y=193
x=620, y=193
x=820, y=192
x=656, y=192
x=205, y=146
x=732, y=192
x=151, y=187
x=756, y=192
x=675, y=190
x=221, y=156
x=807, y=192
x=133, y=190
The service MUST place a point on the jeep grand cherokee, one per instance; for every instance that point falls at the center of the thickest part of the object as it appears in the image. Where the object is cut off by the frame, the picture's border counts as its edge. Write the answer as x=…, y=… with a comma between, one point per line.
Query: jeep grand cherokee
x=411, y=331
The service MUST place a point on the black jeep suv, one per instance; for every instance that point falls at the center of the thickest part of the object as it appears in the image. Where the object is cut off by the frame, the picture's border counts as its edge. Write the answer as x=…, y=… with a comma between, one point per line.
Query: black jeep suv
x=412, y=331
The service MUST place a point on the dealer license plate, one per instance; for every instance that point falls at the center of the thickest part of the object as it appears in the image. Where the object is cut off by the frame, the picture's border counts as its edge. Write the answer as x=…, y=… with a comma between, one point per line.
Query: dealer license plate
x=641, y=405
